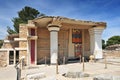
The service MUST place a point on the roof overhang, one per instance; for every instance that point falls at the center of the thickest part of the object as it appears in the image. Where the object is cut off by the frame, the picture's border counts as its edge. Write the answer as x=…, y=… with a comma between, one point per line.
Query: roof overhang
x=46, y=20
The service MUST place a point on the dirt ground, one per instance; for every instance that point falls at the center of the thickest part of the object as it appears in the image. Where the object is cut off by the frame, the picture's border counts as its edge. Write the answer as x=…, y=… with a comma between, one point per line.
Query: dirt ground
x=91, y=68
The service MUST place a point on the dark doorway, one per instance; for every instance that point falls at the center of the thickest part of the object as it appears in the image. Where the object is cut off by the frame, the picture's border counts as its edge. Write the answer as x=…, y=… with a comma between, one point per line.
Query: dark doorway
x=11, y=57
x=17, y=57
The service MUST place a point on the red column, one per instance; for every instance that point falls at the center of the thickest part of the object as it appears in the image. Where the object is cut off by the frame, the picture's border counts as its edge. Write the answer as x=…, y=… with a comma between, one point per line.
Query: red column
x=32, y=51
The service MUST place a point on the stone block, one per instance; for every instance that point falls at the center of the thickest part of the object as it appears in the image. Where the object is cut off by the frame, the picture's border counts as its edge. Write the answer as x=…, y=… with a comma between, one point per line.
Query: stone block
x=76, y=74
x=35, y=76
x=106, y=77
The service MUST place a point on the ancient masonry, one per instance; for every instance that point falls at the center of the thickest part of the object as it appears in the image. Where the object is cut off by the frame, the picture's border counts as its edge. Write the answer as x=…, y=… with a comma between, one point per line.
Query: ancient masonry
x=53, y=38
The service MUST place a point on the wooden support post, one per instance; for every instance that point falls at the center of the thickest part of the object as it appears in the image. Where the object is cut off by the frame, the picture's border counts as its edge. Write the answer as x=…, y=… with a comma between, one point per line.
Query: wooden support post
x=45, y=60
x=64, y=60
x=57, y=66
x=83, y=64
x=80, y=58
x=105, y=62
x=18, y=73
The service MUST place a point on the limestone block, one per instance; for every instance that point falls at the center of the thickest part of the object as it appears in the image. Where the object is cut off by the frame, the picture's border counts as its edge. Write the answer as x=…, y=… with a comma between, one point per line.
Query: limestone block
x=106, y=77
x=35, y=76
x=23, y=44
x=76, y=74
x=23, y=31
x=8, y=45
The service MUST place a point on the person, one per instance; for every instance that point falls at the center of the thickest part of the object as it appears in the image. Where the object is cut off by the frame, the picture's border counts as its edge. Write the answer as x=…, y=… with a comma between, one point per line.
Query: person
x=18, y=70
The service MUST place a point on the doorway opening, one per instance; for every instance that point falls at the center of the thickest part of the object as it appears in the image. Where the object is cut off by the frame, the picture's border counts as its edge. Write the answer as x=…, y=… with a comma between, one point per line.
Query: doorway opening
x=11, y=57
x=17, y=57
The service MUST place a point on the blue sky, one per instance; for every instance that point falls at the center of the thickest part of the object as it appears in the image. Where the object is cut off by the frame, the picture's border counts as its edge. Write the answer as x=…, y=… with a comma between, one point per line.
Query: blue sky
x=92, y=10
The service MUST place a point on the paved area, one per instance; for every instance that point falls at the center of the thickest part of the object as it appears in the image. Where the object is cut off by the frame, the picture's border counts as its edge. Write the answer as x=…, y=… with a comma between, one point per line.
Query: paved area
x=9, y=73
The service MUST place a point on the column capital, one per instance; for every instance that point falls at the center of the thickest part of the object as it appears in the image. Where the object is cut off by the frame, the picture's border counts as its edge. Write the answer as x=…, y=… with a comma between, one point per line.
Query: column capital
x=95, y=41
x=96, y=30
x=53, y=27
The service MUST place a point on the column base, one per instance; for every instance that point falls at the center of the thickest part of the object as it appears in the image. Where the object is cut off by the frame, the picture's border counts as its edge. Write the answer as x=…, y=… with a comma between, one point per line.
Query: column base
x=53, y=63
x=98, y=54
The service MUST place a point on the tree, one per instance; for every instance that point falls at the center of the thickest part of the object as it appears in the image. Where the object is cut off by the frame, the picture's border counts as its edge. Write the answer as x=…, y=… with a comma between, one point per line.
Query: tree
x=1, y=43
x=113, y=40
x=103, y=44
x=27, y=13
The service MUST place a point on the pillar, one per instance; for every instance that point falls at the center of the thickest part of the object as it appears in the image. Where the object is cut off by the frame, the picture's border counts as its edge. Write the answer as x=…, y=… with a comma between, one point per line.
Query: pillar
x=96, y=42
x=71, y=45
x=53, y=42
x=14, y=57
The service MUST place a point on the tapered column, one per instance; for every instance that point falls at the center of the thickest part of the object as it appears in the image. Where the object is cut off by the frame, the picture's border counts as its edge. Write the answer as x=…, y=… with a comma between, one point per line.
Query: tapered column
x=96, y=42
x=53, y=43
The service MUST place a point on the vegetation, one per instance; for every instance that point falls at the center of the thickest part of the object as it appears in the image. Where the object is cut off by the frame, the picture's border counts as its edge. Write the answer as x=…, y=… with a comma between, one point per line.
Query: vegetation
x=1, y=43
x=113, y=40
x=27, y=13
x=103, y=44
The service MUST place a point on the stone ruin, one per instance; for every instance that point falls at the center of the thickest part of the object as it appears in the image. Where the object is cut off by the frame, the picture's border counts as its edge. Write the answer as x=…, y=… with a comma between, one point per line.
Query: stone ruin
x=76, y=74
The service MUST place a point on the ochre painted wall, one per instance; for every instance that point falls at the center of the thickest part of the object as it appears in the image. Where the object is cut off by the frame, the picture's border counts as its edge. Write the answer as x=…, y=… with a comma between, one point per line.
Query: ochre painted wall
x=86, y=42
x=43, y=43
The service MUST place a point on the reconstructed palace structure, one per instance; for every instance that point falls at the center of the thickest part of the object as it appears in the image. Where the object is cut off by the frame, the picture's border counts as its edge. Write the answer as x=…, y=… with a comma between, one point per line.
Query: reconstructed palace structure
x=53, y=38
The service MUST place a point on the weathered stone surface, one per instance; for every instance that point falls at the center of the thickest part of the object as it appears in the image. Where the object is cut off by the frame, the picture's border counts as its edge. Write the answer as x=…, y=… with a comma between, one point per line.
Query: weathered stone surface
x=23, y=31
x=106, y=77
x=3, y=58
x=76, y=74
x=23, y=44
x=36, y=76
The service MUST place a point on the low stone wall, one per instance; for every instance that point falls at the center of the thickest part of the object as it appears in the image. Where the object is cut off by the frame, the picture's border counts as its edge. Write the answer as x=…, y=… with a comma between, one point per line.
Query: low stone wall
x=112, y=53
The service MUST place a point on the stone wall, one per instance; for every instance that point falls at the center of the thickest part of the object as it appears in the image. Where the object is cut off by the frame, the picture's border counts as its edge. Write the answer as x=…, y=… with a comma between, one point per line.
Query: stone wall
x=112, y=53
x=11, y=44
x=63, y=39
x=86, y=43
x=9, y=41
x=3, y=58
x=43, y=43
x=8, y=44
x=23, y=31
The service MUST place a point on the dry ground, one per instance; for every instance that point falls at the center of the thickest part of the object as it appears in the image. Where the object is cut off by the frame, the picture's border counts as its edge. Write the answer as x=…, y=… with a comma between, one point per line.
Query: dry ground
x=113, y=68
